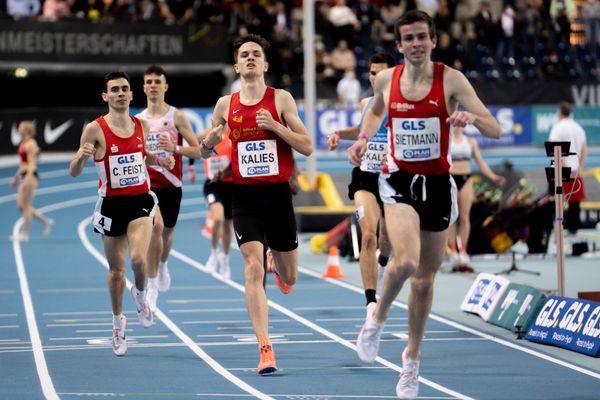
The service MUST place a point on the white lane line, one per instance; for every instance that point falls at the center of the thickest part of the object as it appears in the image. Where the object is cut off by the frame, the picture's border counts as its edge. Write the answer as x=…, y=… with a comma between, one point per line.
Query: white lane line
x=174, y=328
x=465, y=328
x=7, y=315
x=316, y=327
x=34, y=334
x=358, y=319
x=10, y=340
x=104, y=337
x=8, y=326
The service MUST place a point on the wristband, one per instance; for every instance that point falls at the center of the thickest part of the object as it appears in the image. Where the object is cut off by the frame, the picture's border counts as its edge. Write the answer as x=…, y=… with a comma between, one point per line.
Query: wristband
x=157, y=161
x=363, y=135
x=176, y=151
x=336, y=133
x=190, y=168
x=206, y=149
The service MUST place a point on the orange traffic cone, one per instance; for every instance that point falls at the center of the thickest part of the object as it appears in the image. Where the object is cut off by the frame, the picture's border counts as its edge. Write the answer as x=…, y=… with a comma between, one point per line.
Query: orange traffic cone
x=208, y=225
x=333, y=264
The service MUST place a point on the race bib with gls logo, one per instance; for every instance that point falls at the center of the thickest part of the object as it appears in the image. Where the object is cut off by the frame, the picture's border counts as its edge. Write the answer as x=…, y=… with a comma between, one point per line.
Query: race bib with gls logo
x=416, y=139
x=152, y=144
x=258, y=158
x=127, y=170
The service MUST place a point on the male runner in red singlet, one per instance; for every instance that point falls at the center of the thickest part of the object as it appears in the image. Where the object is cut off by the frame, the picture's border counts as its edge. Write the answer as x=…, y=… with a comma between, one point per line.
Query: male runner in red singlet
x=123, y=213
x=264, y=128
x=421, y=99
x=168, y=128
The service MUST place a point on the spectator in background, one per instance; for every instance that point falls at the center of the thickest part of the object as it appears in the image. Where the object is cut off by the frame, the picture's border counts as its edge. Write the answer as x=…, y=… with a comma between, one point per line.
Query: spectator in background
x=21, y=9
x=91, y=10
x=590, y=13
x=532, y=27
x=177, y=11
x=445, y=52
x=344, y=22
x=567, y=130
x=122, y=11
x=506, y=47
x=485, y=29
x=54, y=10
x=562, y=24
x=348, y=90
x=342, y=58
x=368, y=18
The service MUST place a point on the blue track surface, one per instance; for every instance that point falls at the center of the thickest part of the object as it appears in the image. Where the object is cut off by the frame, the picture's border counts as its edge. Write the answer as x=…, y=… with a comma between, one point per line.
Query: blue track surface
x=54, y=288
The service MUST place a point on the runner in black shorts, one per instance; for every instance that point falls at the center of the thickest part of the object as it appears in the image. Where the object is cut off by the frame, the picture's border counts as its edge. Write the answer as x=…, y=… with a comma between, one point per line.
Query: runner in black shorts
x=364, y=191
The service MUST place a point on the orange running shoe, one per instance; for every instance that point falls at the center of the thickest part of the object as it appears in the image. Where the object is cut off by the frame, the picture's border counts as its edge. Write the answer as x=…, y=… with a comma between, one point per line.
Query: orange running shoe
x=267, y=364
x=283, y=287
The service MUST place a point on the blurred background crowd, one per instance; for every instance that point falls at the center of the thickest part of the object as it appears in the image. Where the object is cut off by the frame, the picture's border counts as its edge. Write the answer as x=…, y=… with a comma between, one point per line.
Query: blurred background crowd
x=489, y=40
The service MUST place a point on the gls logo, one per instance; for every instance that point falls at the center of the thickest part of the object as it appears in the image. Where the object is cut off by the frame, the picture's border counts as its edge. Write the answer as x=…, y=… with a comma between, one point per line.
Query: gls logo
x=255, y=146
x=413, y=125
x=126, y=159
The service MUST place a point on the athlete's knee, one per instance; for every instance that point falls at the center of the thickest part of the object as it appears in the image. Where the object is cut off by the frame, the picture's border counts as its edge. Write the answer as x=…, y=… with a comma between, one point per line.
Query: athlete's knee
x=369, y=241
x=116, y=275
x=254, y=270
x=158, y=227
x=422, y=285
x=402, y=268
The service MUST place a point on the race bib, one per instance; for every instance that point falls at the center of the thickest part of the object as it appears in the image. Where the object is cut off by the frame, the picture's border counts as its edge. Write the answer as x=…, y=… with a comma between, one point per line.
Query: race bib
x=374, y=157
x=217, y=164
x=416, y=139
x=101, y=223
x=127, y=170
x=258, y=158
x=152, y=144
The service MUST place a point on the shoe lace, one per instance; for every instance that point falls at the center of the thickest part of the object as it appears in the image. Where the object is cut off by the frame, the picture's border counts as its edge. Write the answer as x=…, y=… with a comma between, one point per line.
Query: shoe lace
x=409, y=375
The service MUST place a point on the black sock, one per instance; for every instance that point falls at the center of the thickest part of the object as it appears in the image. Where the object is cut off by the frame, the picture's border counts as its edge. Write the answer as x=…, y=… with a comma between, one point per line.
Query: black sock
x=370, y=295
x=383, y=260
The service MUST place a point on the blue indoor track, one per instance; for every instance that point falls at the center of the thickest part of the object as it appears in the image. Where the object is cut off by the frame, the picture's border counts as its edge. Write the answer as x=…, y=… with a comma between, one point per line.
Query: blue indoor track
x=55, y=324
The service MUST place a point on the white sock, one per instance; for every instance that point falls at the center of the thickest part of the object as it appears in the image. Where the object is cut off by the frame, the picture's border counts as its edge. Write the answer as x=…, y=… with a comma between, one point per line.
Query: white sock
x=162, y=264
x=153, y=282
x=118, y=320
x=139, y=295
x=213, y=252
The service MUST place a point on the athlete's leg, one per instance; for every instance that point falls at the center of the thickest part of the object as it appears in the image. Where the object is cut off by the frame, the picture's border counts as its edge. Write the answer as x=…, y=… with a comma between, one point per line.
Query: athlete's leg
x=368, y=214
x=155, y=249
x=114, y=249
x=256, y=298
x=139, y=233
x=24, y=201
x=465, y=201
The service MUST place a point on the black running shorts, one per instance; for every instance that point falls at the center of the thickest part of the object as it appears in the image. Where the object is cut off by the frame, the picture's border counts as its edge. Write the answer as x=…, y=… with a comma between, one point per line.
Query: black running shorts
x=265, y=213
x=113, y=214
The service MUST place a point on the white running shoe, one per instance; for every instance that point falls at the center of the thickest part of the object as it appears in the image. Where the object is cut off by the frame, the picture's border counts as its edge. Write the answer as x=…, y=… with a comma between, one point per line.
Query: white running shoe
x=19, y=237
x=152, y=296
x=367, y=344
x=48, y=226
x=164, y=278
x=144, y=313
x=224, y=268
x=408, y=385
x=119, y=342
x=211, y=263
x=454, y=258
x=463, y=258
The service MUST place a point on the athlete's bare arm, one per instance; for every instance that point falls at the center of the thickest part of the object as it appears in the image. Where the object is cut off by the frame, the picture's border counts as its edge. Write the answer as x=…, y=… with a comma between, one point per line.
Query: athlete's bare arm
x=374, y=115
x=89, y=144
x=350, y=133
x=291, y=129
x=165, y=162
x=182, y=123
x=32, y=150
x=460, y=92
x=483, y=167
x=214, y=135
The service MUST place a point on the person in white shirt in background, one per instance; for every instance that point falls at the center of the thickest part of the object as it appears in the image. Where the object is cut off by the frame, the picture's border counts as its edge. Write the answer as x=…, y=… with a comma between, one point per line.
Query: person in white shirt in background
x=348, y=90
x=567, y=130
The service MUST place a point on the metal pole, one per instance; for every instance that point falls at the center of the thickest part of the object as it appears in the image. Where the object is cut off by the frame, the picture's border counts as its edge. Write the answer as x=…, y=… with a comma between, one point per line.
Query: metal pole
x=308, y=33
x=558, y=221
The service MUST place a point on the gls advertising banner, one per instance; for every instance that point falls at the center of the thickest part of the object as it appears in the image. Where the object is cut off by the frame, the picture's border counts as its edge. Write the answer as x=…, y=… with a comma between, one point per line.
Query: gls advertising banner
x=514, y=121
x=570, y=323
